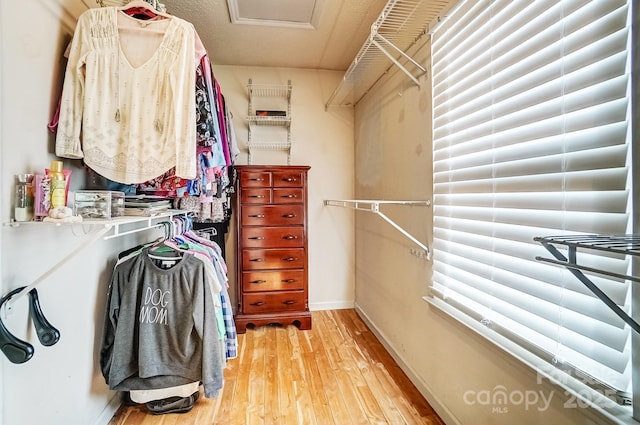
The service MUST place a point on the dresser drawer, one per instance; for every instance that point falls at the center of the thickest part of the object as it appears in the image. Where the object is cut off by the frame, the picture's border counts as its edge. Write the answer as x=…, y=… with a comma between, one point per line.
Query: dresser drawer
x=267, y=302
x=280, y=280
x=270, y=259
x=273, y=237
x=272, y=215
x=288, y=179
x=255, y=179
x=255, y=196
x=294, y=195
x=271, y=246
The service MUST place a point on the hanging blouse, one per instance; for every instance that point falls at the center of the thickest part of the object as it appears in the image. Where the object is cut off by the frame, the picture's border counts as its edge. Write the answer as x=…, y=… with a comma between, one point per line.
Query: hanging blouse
x=133, y=106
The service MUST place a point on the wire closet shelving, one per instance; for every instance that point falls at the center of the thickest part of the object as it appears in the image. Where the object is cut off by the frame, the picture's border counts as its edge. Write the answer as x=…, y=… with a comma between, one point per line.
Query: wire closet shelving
x=400, y=25
x=617, y=244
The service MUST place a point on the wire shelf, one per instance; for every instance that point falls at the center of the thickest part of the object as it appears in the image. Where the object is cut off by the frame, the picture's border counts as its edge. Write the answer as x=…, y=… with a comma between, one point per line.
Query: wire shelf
x=269, y=120
x=619, y=244
x=269, y=90
x=399, y=26
x=269, y=145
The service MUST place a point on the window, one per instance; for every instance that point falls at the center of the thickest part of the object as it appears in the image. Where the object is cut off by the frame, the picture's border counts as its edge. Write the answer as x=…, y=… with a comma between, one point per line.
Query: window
x=532, y=138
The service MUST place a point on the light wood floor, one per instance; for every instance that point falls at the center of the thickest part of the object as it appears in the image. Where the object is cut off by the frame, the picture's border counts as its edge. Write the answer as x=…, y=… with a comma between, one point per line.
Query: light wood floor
x=336, y=373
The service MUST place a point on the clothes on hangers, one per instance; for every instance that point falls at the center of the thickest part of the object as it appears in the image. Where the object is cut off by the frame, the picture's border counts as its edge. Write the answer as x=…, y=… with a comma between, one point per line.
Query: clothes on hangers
x=166, y=255
x=160, y=330
x=134, y=107
x=206, y=195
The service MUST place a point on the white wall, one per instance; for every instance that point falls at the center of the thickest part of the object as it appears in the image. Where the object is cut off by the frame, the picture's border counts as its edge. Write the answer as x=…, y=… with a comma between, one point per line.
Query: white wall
x=62, y=384
x=324, y=141
x=444, y=358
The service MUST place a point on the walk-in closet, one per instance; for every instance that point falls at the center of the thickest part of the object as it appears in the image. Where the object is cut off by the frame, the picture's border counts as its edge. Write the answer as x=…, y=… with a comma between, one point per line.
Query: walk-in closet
x=329, y=212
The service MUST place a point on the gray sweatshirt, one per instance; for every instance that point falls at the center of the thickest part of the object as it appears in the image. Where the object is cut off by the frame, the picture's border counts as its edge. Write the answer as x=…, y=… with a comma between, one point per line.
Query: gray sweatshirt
x=160, y=328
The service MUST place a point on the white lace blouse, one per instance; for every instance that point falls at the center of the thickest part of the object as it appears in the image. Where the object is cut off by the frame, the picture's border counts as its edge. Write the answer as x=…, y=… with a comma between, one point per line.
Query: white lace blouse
x=128, y=103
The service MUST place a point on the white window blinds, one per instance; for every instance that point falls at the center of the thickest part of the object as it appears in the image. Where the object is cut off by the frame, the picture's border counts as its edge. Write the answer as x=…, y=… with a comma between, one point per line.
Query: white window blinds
x=532, y=138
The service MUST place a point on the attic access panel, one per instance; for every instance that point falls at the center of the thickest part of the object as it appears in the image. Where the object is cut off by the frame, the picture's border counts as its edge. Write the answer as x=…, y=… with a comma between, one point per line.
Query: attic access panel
x=282, y=13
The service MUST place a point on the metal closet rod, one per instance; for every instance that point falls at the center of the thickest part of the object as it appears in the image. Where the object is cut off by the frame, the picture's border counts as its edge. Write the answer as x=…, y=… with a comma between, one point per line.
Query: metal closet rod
x=112, y=226
x=374, y=207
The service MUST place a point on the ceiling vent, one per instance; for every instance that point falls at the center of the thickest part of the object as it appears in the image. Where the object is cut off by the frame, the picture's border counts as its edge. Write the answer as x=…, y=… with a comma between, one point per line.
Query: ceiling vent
x=280, y=13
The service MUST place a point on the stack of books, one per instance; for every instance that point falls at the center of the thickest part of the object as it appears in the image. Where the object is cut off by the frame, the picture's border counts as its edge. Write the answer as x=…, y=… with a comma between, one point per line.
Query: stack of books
x=145, y=205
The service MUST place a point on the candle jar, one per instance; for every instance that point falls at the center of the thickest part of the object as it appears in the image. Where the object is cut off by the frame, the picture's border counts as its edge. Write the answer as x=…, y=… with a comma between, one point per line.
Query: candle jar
x=23, y=210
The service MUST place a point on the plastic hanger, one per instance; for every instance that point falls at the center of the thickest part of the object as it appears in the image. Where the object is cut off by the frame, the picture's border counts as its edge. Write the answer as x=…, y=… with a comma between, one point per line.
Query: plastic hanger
x=142, y=10
x=17, y=350
x=159, y=247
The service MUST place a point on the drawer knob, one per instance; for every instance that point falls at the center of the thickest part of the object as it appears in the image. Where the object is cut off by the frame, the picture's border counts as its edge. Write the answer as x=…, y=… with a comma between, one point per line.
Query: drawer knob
x=257, y=260
x=289, y=237
x=289, y=179
x=256, y=196
x=288, y=215
x=256, y=215
x=288, y=280
x=289, y=196
x=290, y=259
x=258, y=281
x=289, y=302
x=257, y=238
x=258, y=304
x=257, y=179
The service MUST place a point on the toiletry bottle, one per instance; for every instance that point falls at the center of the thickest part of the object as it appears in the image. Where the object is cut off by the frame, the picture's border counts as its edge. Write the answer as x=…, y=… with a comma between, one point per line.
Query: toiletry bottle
x=58, y=195
x=23, y=210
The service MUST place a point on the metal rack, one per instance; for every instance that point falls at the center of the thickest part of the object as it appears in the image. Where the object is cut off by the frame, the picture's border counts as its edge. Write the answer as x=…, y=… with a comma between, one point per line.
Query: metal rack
x=107, y=229
x=619, y=244
x=401, y=24
x=373, y=206
x=154, y=3
x=274, y=92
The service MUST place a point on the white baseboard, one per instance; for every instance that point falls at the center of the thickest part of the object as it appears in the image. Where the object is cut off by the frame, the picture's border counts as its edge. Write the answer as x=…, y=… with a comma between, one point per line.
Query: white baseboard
x=424, y=388
x=109, y=410
x=332, y=305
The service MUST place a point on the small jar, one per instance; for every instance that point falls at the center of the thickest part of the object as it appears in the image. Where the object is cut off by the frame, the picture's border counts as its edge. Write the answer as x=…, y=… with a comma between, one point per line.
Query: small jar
x=23, y=210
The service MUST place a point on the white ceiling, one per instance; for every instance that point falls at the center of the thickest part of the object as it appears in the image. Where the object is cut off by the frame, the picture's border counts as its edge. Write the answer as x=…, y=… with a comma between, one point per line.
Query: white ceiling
x=341, y=29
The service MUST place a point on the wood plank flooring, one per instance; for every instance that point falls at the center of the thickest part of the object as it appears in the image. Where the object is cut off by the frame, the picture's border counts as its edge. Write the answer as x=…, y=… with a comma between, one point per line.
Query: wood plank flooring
x=336, y=373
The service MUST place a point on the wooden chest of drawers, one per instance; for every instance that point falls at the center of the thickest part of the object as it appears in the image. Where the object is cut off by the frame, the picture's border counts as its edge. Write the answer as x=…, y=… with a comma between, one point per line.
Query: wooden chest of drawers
x=271, y=218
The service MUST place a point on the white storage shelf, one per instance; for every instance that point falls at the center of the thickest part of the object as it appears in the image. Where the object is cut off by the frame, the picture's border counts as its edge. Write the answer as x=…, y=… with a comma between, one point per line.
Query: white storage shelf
x=400, y=26
x=267, y=90
x=107, y=229
x=262, y=120
x=275, y=103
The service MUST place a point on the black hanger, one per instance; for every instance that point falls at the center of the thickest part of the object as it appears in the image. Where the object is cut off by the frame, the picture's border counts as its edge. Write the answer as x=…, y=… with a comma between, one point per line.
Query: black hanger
x=17, y=350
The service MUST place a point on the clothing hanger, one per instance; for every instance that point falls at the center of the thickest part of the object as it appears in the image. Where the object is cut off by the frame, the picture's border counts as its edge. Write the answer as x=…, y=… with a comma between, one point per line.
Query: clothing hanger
x=159, y=247
x=17, y=350
x=142, y=10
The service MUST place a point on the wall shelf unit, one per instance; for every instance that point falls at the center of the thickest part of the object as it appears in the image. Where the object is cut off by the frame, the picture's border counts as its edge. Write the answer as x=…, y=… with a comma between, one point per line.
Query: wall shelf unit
x=400, y=25
x=269, y=106
x=106, y=229
x=373, y=206
x=618, y=244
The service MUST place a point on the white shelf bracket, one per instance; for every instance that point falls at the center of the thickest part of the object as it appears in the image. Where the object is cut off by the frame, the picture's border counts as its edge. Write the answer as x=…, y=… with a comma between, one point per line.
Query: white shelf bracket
x=374, y=207
x=84, y=245
x=143, y=223
x=375, y=34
